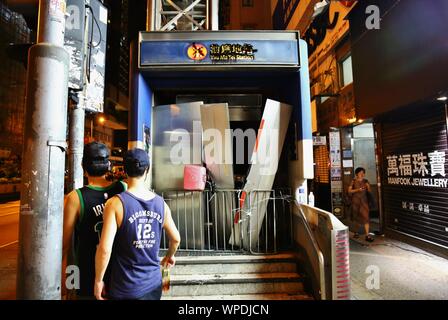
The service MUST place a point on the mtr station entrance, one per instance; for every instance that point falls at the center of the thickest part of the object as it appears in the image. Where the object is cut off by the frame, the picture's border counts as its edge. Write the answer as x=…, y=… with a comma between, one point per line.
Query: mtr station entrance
x=185, y=85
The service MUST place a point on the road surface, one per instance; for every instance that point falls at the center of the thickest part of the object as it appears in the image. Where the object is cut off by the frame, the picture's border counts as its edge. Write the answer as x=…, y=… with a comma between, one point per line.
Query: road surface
x=9, y=233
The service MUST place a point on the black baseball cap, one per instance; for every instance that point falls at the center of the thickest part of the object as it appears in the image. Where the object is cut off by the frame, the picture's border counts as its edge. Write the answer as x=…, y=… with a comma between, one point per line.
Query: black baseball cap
x=136, y=161
x=95, y=153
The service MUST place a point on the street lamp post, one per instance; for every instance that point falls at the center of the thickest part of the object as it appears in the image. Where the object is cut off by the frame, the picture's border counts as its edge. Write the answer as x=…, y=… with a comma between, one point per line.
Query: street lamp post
x=43, y=164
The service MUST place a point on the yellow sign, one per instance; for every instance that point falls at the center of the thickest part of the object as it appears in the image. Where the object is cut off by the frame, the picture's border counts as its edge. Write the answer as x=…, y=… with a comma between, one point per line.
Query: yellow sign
x=197, y=52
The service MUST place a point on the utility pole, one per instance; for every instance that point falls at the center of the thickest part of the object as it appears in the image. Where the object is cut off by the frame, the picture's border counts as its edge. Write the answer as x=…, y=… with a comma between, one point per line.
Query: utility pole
x=76, y=143
x=43, y=161
x=77, y=97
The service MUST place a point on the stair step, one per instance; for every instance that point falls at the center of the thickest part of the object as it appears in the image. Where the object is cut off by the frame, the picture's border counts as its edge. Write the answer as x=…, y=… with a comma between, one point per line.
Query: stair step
x=186, y=279
x=279, y=263
x=234, y=268
x=239, y=284
x=256, y=296
x=242, y=268
x=235, y=259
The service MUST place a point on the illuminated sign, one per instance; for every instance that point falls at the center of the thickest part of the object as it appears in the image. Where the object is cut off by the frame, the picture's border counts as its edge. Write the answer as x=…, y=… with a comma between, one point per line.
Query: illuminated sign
x=219, y=52
x=197, y=52
x=229, y=52
x=418, y=169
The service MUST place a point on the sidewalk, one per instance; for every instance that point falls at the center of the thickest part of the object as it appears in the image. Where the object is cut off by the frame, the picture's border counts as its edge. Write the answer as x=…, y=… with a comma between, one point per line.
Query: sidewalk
x=406, y=272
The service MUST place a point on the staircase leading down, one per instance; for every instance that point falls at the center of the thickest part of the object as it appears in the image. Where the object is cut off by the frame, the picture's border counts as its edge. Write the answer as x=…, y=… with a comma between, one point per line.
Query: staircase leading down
x=237, y=277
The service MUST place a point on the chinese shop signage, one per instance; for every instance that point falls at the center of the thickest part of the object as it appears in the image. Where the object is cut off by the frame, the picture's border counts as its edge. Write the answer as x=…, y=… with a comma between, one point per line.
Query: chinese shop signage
x=414, y=172
x=417, y=169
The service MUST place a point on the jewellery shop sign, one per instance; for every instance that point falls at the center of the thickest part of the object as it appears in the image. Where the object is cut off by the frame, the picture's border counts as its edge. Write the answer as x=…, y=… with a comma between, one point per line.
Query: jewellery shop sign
x=418, y=169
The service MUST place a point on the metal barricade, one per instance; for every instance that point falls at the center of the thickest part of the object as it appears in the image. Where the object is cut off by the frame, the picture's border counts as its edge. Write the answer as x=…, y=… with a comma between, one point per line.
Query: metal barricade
x=256, y=222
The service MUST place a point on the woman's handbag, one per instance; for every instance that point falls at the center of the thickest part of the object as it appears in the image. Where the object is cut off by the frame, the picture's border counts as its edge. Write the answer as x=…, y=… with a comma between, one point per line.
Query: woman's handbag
x=348, y=197
x=371, y=200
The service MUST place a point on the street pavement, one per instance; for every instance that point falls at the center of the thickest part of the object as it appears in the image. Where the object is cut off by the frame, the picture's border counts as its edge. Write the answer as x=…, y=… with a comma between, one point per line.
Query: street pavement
x=9, y=232
x=9, y=223
x=405, y=272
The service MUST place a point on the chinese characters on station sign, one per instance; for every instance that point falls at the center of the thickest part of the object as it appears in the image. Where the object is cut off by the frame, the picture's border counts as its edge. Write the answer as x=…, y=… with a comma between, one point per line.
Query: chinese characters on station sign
x=232, y=52
x=419, y=169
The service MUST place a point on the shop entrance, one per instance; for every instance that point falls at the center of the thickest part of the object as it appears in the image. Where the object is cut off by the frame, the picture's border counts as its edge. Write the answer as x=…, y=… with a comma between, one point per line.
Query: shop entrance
x=363, y=149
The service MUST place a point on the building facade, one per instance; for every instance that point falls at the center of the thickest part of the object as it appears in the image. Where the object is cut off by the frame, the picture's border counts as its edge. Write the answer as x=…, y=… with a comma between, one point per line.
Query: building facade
x=334, y=112
x=13, y=30
x=380, y=103
x=246, y=15
x=404, y=89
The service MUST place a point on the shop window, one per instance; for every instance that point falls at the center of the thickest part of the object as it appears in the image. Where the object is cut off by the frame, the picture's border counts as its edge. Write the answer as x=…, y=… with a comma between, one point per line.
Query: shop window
x=324, y=98
x=321, y=159
x=346, y=71
x=248, y=3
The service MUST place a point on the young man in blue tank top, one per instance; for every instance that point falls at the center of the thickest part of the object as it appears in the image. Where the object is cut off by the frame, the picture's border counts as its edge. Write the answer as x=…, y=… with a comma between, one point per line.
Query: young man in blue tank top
x=133, y=223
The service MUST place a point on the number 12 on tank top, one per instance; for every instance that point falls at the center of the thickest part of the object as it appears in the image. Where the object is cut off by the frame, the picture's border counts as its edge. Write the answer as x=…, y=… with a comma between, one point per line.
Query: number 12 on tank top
x=147, y=233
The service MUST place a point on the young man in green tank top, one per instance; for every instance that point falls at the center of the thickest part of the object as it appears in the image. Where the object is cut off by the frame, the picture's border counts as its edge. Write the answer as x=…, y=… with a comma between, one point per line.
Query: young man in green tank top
x=83, y=216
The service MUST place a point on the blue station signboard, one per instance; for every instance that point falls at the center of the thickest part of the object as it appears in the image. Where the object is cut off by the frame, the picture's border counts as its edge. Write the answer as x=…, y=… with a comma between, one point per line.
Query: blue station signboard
x=226, y=49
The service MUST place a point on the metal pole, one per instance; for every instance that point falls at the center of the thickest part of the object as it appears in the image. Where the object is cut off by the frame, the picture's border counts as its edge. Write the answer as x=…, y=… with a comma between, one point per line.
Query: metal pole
x=41, y=207
x=214, y=15
x=76, y=145
x=150, y=15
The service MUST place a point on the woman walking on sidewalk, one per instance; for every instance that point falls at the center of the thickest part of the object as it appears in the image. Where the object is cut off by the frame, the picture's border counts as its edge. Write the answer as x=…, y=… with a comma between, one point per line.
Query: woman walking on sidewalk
x=359, y=202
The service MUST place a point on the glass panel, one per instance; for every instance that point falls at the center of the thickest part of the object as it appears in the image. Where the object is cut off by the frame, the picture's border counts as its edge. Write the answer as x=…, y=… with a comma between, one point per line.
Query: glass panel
x=347, y=72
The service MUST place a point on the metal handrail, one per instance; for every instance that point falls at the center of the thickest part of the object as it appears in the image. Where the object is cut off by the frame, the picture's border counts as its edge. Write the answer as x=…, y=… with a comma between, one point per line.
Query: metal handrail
x=319, y=274
x=331, y=246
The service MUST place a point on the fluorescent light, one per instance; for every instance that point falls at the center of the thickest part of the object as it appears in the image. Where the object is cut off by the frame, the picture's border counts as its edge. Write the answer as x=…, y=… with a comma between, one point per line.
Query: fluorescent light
x=442, y=98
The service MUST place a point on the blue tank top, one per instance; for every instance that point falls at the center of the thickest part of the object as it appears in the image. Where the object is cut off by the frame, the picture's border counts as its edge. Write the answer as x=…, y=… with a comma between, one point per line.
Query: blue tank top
x=135, y=266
